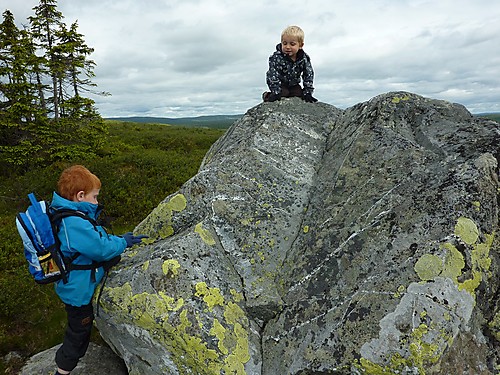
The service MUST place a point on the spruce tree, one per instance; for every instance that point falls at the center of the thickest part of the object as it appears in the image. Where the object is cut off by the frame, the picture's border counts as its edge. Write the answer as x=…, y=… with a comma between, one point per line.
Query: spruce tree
x=45, y=25
x=19, y=104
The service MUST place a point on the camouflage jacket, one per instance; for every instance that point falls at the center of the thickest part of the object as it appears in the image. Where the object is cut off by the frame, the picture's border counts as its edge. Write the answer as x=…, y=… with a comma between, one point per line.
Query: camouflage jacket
x=284, y=71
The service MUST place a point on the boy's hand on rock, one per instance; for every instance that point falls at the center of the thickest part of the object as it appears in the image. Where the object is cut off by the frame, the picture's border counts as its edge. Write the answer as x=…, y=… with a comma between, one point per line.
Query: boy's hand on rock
x=310, y=99
x=133, y=240
x=273, y=97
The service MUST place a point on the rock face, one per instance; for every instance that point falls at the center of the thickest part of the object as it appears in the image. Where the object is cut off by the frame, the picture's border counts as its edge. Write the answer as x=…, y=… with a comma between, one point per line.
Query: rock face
x=320, y=241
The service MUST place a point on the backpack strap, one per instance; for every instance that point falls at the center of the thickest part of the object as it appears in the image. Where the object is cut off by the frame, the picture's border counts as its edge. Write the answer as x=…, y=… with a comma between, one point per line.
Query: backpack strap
x=56, y=217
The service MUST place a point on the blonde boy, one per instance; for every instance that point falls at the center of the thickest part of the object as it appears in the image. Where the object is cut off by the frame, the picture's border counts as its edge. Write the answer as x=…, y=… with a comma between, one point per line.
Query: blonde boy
x=288, y=65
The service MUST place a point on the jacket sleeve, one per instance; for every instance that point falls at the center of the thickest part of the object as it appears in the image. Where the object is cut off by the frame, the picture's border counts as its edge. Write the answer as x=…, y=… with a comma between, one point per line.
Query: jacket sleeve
x=80, y=235
x=308, y=77
x=273, y=75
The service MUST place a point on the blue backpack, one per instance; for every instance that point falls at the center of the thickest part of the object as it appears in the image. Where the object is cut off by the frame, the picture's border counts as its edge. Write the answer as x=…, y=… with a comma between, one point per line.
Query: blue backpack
x=38, y=228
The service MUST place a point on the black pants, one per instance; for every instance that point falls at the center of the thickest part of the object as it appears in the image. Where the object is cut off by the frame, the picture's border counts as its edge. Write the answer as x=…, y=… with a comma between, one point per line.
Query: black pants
x=77, y=336
x=286, y=92
x=289, y=91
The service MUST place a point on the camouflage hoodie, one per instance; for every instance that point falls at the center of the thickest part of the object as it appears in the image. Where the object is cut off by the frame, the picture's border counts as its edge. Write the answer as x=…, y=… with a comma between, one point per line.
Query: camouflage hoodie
x=284, y=71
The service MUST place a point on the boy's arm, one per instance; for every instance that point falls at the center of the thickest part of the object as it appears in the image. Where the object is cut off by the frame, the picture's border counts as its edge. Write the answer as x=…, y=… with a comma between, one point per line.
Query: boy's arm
x=308, y=77
x=273, y=76
x=90, y=241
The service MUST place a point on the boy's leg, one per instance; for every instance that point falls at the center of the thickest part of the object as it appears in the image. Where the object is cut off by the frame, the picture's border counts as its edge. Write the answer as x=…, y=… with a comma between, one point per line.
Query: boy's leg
x=290, y=91
x=285, y=92
x=295, y=90
x=77, y=336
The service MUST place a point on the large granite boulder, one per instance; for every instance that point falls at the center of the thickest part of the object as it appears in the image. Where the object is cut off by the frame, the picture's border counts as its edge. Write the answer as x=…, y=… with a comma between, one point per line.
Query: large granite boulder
x=320, y=241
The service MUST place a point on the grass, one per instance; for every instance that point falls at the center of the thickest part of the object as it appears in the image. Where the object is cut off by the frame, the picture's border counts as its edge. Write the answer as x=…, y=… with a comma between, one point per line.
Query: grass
x=140, y=166
x=491, y=116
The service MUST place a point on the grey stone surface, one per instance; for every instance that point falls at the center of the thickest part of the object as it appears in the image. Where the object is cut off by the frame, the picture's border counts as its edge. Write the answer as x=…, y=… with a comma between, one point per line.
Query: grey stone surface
x=98, y=360
x=315, y=240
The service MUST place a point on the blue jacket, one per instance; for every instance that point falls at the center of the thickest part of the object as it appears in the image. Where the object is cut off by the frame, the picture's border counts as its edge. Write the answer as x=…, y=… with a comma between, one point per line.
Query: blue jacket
x=284, y=71
x=78, y=235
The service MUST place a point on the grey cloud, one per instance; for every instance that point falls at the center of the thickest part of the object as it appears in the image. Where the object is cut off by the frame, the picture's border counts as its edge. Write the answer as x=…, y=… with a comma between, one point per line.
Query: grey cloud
x=185, y=58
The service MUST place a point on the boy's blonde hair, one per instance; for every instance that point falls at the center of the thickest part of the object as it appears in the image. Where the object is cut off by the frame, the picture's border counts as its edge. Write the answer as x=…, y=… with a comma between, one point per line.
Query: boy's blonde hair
x=294, y=31
x=75, y=179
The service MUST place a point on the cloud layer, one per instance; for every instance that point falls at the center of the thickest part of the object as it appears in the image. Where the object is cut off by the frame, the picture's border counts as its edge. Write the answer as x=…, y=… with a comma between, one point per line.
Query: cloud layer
x=178, y=58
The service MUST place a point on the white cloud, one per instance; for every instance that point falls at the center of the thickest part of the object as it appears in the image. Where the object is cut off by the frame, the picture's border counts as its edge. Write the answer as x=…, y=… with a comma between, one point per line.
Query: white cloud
x=198, y=57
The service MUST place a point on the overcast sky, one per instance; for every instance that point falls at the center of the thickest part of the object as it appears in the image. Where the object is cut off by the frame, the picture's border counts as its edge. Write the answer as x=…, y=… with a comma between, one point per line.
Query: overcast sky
x=179, y=58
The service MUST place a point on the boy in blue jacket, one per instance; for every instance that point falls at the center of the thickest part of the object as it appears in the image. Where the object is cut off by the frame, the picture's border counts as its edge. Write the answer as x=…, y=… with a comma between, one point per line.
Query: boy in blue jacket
x=287, y=66
x=78, y=189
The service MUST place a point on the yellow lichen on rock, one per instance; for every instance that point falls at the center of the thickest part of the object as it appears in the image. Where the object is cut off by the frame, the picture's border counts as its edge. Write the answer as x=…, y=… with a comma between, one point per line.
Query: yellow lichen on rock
x=170, y=267
x=211, y=296
x=171, y=322
x=205, y=234
x=451, y=264
x=428, y=267
x=467, y=230
x=159, y=222
x=398, y=99
x=494, y=326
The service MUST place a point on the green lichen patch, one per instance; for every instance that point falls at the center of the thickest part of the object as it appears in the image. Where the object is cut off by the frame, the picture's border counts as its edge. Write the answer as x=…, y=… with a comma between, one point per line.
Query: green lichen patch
x=159, y=222
x=399, y=292
x=451, y=263
x=467, y=230
x=445, y=276
x=481, y=263
x=424, y=350
x=178, y=202
x=205, y=234
x=197, y=343
x=494, y=326
x=428, y=267
x=211, y=296
x=397, y=99
x=170, y=267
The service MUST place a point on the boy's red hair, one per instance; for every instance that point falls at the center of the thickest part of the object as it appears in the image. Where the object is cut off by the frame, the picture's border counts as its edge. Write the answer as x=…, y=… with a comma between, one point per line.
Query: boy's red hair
x=75, y=179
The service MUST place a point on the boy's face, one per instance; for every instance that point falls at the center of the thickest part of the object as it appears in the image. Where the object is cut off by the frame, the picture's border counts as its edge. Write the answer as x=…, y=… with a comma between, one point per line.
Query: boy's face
x=290, y=45
x=90, y=197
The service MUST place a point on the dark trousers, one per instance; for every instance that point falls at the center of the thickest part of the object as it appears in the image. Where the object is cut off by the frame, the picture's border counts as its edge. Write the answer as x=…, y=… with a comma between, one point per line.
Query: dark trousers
x=77, y=336
x=286, y=92
x=289, y=91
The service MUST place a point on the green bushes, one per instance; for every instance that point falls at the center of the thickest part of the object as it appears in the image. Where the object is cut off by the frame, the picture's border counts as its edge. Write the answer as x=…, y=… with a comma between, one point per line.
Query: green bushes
x=139, y=165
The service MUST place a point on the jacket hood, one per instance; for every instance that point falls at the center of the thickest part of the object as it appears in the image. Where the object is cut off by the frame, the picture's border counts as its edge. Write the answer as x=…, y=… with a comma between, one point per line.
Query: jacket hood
x=90, y=209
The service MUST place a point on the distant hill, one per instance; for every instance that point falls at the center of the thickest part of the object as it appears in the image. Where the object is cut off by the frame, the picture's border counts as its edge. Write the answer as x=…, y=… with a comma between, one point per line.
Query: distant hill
x=215, y=121
x=222, y=121
x=491, y=116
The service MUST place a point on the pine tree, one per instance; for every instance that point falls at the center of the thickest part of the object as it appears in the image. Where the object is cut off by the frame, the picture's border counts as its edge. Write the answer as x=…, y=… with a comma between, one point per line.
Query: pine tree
x=20, y=111
x=73, y=52
x=45, y=26
x=18, y=62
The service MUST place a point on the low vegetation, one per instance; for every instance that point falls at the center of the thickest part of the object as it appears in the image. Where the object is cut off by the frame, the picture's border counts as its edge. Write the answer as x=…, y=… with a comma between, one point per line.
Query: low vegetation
x=139, y=166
